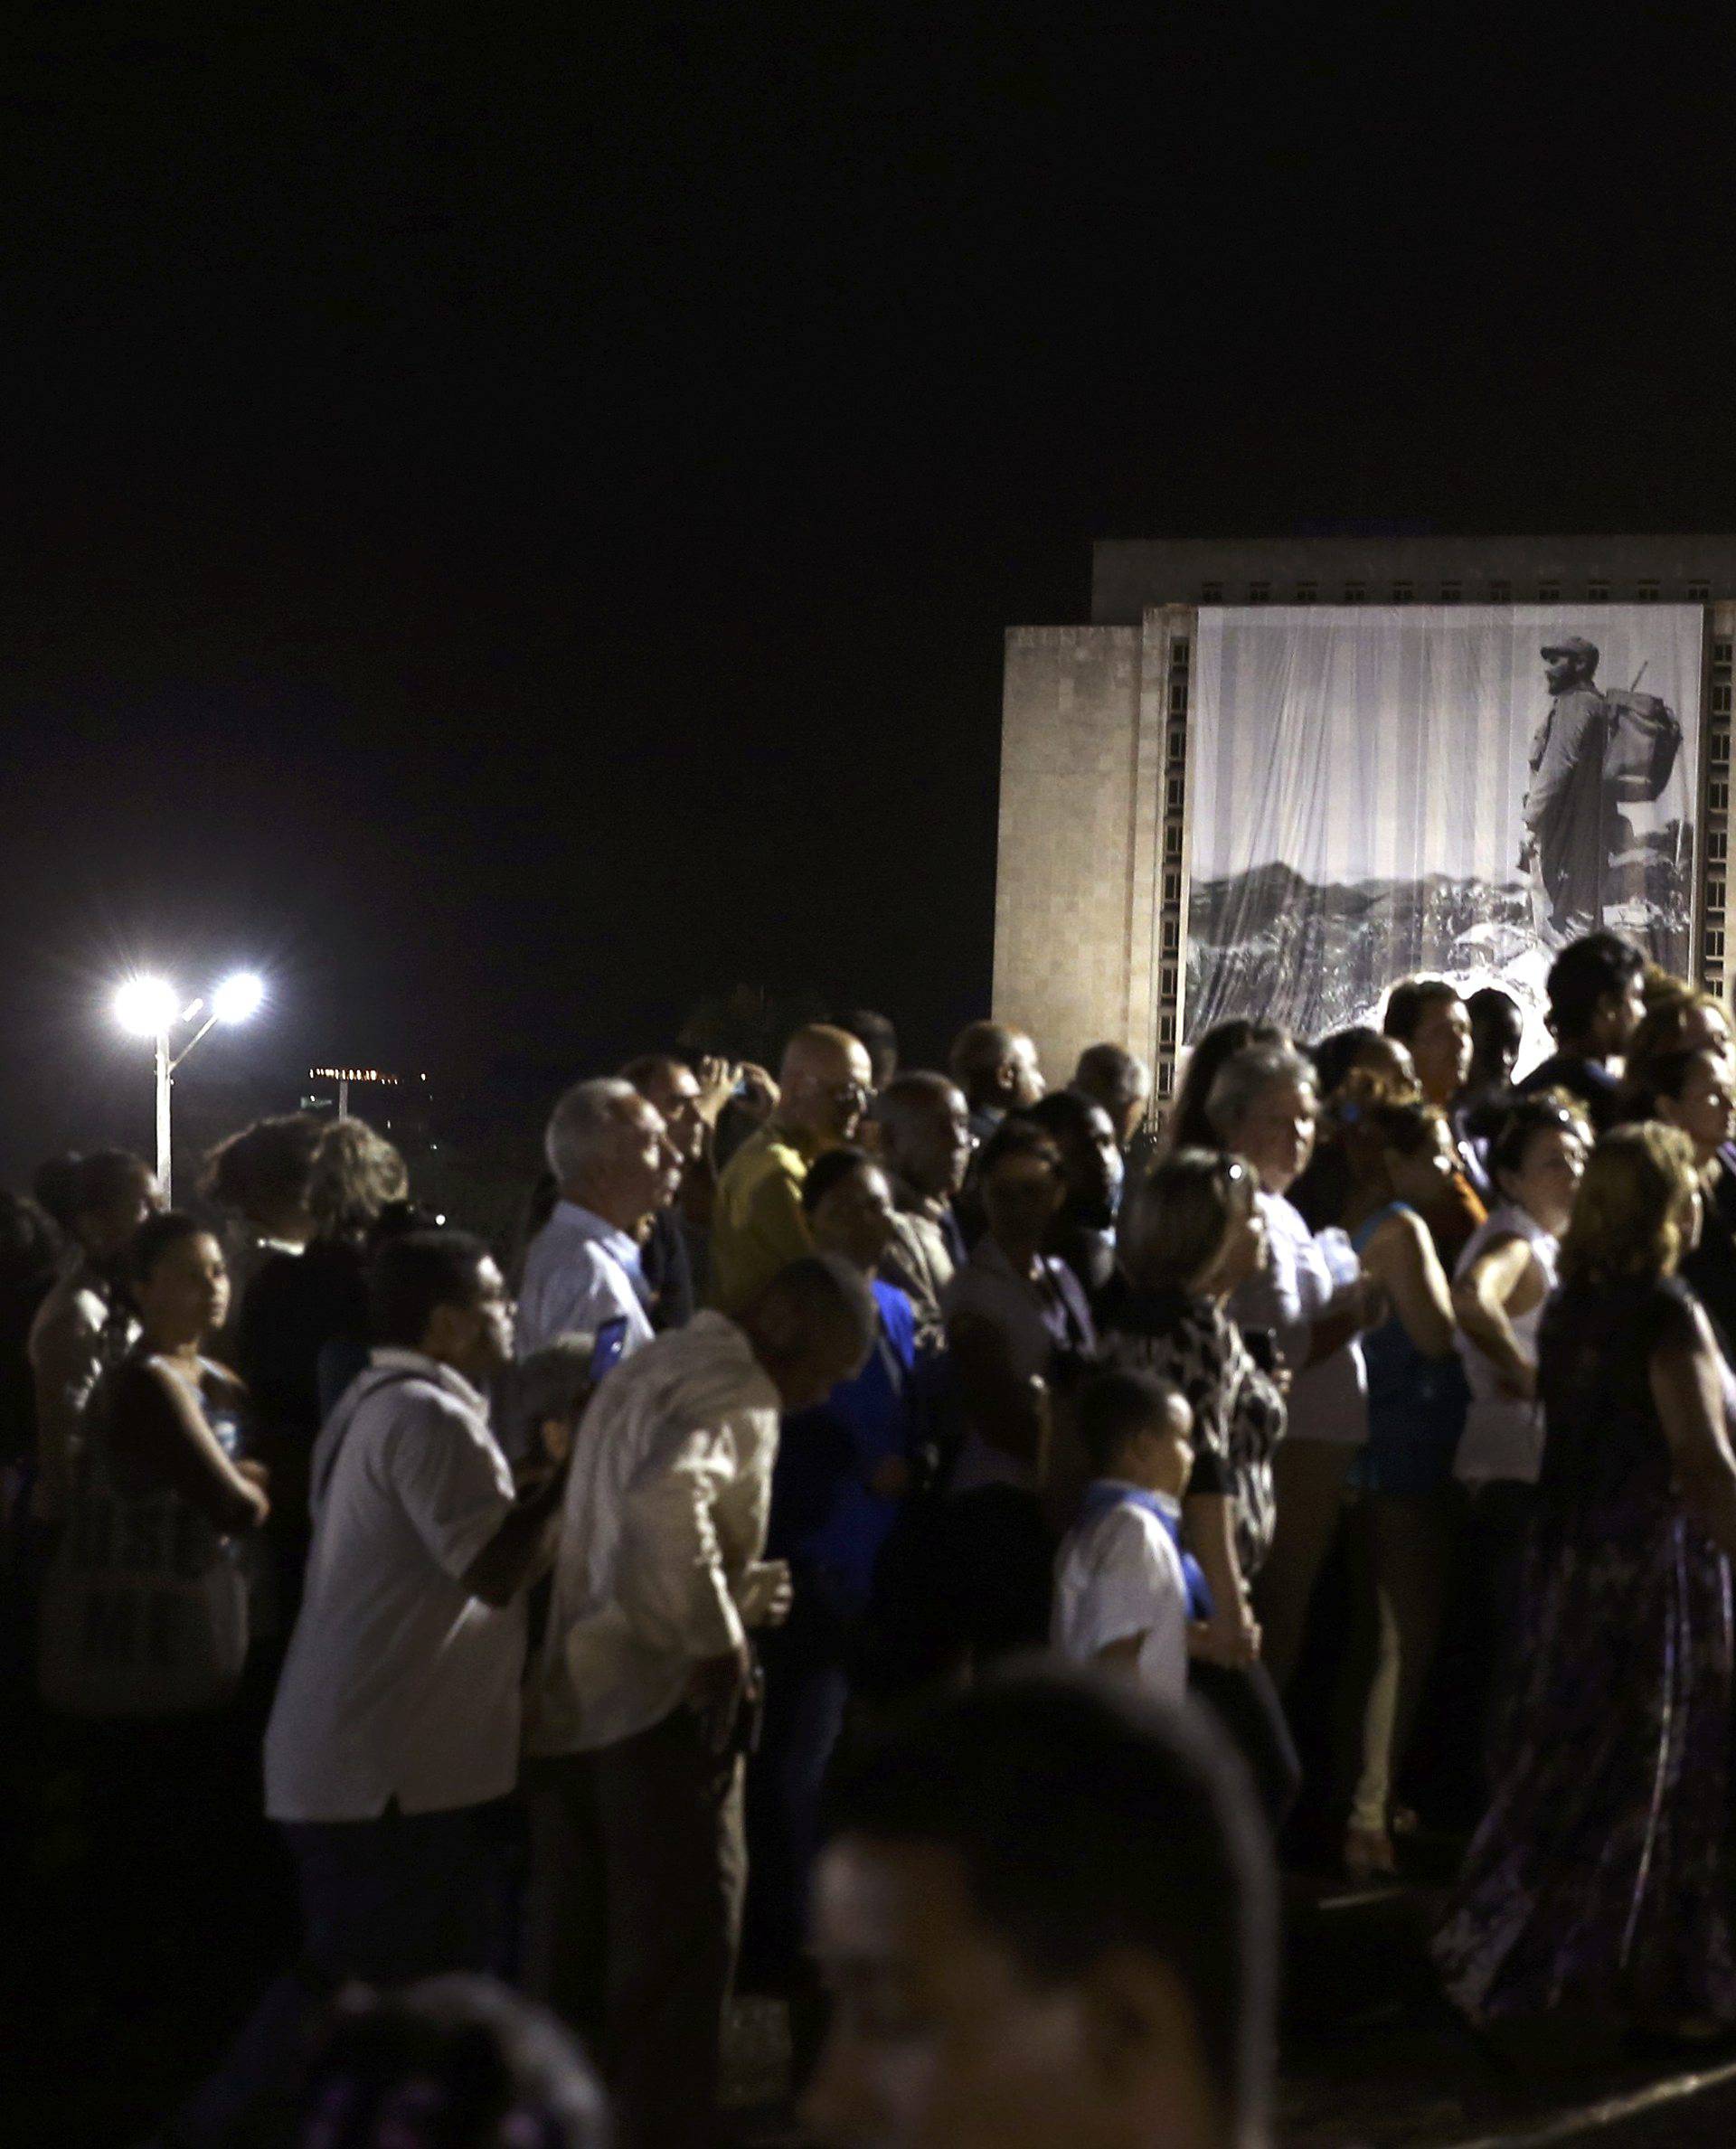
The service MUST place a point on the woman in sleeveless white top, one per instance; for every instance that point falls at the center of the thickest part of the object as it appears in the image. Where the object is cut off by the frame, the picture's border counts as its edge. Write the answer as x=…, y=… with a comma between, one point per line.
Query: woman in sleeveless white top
x=1503, y=1432
x=1502, y=1282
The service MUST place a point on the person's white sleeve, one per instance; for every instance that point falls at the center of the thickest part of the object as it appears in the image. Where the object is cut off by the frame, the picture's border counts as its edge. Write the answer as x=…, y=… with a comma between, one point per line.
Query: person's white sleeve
x=671, y=1579
x=1273, y=1298
x=452, y=1480
x=1131, y=1581
x=1133, y=1586
x=1162, y=1655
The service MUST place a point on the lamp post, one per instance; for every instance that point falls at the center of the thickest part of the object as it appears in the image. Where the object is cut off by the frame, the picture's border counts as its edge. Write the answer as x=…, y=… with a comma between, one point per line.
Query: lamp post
x=151, y=1007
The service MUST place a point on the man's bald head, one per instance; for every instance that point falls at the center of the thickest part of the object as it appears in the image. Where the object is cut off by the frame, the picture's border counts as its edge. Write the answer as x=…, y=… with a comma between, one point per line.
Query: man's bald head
x=826, y=1081
x=812, y=1326
x=925, y=1133
x=996, y=1068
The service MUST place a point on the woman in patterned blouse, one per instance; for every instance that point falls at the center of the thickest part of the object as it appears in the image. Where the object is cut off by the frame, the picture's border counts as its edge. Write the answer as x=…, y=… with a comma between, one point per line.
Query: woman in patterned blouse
x=1190, y=1232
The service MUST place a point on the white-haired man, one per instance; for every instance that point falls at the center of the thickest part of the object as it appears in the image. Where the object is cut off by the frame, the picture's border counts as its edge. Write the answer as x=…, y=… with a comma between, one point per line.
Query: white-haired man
x=615, y=1167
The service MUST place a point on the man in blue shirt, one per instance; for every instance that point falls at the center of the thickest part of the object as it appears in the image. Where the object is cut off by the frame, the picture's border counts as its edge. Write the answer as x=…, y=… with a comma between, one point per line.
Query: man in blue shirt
x=843, y=1465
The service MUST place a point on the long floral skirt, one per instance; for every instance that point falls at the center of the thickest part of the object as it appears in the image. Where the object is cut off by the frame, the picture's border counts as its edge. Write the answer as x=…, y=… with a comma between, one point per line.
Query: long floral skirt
x=1595, y=1883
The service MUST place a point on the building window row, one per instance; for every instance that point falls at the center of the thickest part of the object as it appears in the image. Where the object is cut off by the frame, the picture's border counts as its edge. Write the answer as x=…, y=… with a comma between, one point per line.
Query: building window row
x=1596, y=592
x=1169, y=938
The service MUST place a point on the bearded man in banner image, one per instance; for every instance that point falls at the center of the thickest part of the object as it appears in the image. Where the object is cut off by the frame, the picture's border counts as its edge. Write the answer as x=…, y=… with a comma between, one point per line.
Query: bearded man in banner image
x=1570, y=807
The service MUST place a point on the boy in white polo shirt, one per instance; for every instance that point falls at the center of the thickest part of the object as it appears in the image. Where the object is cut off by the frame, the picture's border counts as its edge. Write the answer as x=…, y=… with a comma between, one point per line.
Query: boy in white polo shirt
x=1126, y=1593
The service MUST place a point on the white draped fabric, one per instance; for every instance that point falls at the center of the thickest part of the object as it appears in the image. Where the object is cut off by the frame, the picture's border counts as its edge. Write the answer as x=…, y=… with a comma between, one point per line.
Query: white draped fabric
x=1358, y=778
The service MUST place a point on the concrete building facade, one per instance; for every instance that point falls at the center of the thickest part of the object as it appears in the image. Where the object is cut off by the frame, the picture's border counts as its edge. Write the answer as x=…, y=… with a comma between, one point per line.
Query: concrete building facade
x=1091, y=915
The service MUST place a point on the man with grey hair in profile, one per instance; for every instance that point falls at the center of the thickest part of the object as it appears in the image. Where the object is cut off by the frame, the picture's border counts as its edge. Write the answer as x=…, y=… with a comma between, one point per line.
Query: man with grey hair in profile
x=1117, y=1080
x=614, y=1166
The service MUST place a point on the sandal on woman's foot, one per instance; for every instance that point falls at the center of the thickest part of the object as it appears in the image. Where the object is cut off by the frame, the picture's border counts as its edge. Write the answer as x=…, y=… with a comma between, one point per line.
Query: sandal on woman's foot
x=1369, y=1854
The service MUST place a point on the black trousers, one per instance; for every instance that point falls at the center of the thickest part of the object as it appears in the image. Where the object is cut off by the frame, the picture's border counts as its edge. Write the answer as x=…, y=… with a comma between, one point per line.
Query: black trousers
x=1245, y=1702
x=389, y=1900
x=998, y=1571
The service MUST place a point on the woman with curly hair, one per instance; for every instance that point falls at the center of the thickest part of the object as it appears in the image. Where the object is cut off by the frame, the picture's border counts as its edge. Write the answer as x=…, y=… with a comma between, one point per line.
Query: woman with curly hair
x=1693, y=1087
x=302, y=1331
x=1594, y=1885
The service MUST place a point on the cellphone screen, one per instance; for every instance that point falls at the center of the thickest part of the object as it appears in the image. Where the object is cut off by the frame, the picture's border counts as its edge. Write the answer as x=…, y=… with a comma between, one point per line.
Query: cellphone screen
x=1262, y=1348
x=611, y=1341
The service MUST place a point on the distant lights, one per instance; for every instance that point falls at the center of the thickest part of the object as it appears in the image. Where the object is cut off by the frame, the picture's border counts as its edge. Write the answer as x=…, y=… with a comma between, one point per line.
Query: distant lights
x=356, y=1074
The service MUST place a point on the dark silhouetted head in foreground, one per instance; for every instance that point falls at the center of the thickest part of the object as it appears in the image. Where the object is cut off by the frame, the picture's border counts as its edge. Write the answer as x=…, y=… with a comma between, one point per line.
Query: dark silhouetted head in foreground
x=1046, y=1914
x=453, y=2063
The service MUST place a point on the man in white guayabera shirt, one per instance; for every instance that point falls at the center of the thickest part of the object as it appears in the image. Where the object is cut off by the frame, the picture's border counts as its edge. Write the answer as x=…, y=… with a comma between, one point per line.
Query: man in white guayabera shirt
x=394, y=1740
x=637, y=1710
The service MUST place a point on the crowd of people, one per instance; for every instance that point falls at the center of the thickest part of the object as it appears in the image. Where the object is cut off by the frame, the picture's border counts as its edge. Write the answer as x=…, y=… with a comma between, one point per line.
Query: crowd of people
x=911, y=1540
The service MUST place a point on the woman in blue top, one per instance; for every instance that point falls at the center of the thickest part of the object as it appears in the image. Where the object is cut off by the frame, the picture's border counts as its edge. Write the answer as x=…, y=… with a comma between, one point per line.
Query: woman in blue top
x=842, y=1469
x=1400, y=1154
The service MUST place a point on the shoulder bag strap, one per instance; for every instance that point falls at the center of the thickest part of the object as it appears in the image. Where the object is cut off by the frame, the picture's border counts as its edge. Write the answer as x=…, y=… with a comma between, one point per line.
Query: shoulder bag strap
x=341, y=1433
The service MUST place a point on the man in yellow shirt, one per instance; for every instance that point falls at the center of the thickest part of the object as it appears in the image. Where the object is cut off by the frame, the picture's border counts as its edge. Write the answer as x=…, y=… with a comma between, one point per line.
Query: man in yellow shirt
x=757, y=1224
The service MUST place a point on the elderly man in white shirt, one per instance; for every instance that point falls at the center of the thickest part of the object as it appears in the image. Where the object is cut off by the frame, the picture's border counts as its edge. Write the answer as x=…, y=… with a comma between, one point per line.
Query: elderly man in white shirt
x=636, y=1710
x=395, y=1735
x=615, y=1167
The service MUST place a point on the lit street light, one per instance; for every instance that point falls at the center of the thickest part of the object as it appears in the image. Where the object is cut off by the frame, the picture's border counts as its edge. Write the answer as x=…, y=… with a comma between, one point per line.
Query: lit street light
x=143, y=1005
x=151, y=1007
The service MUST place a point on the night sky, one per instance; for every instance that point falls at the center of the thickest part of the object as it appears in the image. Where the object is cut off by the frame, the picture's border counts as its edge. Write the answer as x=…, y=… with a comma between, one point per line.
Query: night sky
x=509, y=529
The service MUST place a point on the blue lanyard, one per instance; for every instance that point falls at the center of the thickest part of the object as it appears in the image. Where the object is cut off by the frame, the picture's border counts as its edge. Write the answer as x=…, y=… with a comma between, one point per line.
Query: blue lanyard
x=1103, y=1495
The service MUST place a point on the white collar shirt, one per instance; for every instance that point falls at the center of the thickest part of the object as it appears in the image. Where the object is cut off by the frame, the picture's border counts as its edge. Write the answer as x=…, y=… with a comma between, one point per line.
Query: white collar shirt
x=1328, y=1399
x=659, y=1565
x=1117, y=1575
x=400, y=1685
x=580, y=1271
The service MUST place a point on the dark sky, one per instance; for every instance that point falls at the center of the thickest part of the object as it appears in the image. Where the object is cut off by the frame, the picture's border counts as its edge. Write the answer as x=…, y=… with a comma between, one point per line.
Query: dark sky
x=510, y=527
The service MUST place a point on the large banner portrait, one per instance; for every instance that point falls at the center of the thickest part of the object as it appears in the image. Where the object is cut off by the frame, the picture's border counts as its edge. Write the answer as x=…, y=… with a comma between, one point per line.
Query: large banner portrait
x=1377, y=791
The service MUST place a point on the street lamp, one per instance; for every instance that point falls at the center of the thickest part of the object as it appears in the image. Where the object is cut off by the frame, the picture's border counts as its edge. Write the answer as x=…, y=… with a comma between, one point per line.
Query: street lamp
x=149, y=1006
